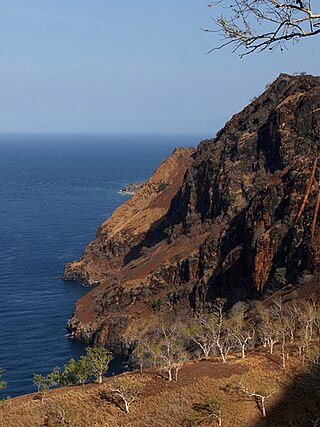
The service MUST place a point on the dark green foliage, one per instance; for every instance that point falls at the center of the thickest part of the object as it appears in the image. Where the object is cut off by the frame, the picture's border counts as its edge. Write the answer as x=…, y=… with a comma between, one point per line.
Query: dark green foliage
x=43, y=383
x=162, y=186
x=93, y=365
x=243, y=166
x=76, y=372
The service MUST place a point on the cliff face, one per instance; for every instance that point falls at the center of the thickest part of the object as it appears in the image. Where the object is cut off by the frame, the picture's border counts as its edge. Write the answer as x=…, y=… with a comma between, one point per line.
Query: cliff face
x=217, y=222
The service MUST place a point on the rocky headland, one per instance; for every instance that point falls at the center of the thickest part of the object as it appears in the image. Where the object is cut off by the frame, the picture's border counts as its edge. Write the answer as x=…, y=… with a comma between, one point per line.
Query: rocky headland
x=235, y=218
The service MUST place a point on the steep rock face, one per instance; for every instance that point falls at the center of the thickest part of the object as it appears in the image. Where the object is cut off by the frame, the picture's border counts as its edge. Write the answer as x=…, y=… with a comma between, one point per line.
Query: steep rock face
x=228, y=228
x=131, y=222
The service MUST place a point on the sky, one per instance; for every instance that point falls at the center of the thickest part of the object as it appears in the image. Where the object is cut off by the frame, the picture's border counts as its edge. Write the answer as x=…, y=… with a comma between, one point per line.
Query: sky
x=127, y=66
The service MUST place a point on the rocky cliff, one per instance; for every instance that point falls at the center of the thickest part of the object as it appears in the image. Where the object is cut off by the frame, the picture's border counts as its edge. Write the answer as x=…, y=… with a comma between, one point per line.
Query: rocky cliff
x=221, y=221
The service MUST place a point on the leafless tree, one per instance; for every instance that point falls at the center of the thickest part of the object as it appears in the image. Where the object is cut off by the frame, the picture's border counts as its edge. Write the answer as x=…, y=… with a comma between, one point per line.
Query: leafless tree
x=200, y=334
x=266, y=328
x=240, y=327
x=166, y=351
x=126, y=390
x=260, y=396
x=182, y=358
x=256, y=25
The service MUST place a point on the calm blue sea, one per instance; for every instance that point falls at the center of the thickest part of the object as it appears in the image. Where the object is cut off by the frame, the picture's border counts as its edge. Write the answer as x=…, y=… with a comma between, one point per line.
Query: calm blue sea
x=54, y=192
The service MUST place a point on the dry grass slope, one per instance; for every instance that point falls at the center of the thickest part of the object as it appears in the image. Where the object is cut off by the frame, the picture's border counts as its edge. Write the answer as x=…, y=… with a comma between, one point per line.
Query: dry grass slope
x=163, y=404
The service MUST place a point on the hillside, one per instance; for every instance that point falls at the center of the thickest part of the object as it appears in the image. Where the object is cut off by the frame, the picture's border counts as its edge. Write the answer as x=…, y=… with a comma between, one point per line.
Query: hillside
x=222, y=221
x=163, y=404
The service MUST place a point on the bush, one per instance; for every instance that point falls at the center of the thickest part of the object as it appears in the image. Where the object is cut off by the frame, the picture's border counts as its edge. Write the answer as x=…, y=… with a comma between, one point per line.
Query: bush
x=162, y=186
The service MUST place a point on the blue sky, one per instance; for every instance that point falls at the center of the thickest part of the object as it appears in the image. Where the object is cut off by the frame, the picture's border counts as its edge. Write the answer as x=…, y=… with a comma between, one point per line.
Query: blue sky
x=126, y=66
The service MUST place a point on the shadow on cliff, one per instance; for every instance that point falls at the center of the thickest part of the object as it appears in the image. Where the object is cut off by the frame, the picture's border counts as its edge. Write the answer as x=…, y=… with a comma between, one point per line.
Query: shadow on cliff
x=299, y=405
x=232, y=279
x=159, y=230
x=154, y=235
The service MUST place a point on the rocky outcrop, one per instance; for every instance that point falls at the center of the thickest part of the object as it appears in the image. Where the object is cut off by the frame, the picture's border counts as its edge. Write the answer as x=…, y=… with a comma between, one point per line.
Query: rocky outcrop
x=219, y=222
x=131, y=188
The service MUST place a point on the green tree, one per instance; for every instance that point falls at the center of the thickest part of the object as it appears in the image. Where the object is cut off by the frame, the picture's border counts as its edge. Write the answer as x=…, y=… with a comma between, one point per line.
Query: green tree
x=97, y=360
x=43, y=383
x=76, y=372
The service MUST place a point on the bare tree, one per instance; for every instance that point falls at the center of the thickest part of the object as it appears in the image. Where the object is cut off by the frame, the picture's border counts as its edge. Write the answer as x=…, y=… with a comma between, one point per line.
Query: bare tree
x=167, y=349
x=259, y=395
x=126, y=390
x=182, y=358
x=218, y=326
x=256, y=25
x=266, y=327
x=199, y=332
x=240, y=327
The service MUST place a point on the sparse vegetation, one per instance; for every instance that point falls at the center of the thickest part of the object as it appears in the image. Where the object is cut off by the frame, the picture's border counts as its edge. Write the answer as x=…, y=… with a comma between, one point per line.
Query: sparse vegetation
x=289, y=332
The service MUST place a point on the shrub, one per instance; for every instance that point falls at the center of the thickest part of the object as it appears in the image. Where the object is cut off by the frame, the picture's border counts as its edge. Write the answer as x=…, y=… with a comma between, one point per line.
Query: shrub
x=162, y=186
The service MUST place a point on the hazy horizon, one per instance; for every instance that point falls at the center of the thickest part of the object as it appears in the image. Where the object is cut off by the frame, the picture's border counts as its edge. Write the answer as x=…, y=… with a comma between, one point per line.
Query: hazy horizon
x=123, y=67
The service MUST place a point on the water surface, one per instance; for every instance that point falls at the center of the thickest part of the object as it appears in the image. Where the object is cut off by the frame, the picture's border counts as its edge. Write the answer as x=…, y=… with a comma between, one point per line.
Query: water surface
x=54, y=193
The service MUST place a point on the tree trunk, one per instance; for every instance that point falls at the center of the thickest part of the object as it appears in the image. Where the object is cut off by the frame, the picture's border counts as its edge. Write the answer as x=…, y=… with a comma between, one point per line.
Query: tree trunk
x=283, y=355
x=100, y=379
x=271, y=345
x=219, y=419
x=242, y=350
x=263, y=407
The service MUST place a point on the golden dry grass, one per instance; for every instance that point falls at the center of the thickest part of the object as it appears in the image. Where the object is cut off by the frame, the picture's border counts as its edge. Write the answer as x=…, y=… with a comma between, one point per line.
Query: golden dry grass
x=160, y=403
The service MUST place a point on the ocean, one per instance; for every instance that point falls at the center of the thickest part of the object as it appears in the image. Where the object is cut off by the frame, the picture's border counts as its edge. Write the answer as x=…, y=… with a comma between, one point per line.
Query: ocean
x=55, y=190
